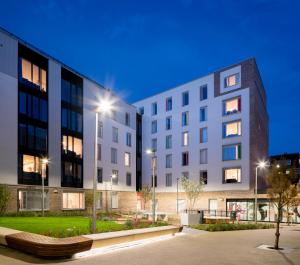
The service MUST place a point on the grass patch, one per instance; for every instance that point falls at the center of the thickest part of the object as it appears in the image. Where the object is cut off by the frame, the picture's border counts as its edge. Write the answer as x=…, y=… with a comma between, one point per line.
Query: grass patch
x=66, y=226
x=232, y=227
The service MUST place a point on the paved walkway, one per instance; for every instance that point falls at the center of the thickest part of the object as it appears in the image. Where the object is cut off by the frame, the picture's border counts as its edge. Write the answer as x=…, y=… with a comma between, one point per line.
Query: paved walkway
x=236, y=247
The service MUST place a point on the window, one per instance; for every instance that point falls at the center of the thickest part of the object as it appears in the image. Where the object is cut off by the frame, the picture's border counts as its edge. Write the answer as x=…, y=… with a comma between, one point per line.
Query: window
x=71, y=120
x=169, y=180
x=114, y=200
x=169, y=123
x=114, y=156
x=232, y=175
x=99, y=200
x=31, y=200
x=203, y=135
x=127, y=119
x=169, y=161
x=203, y=176
x=185, y=139
x=185, y=175
x=127, y=159
x=232, y=80
x=100, y=129
x=154, y=108
x=203, y=156
x=154, y=144
x=99, y=152
x=203, y=114
x=155, y=181
x=141, y=110
x=169, y=104
x=73, y=200
x=115, y=179
x=115, y=134
x=185, y=118
x=232, y=152
x=185, y=98
x=128, y=179
x=72, y=146
x=154, y=127
x=71, y=92
x=231, y=129
x=113, y=115
x=128, y=139
x=203, y=92
x=185, y=159
x=231, y=106
x=168, y=141
x=100, y=175
x=31, y=164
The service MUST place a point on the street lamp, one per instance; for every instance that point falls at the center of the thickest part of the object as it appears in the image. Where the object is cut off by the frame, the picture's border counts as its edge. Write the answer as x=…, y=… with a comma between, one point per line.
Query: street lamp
x=104, y=106
x=153, y=157
x=44, y=162
x=260, y=165
x=113, y=176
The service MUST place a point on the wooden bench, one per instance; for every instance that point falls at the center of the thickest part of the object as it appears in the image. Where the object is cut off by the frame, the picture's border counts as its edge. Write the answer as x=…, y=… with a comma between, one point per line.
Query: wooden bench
x=45, y=246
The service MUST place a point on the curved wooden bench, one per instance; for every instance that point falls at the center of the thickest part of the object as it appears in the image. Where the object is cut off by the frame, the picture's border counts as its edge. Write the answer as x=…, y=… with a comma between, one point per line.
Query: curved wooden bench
x=45, y=246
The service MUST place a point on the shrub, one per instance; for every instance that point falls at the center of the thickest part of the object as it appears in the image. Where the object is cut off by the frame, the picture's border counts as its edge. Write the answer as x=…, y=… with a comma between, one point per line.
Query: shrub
x=4, y=198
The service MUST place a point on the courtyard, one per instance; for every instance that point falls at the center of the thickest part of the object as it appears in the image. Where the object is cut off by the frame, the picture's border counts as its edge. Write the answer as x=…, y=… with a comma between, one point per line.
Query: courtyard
x=196, y=247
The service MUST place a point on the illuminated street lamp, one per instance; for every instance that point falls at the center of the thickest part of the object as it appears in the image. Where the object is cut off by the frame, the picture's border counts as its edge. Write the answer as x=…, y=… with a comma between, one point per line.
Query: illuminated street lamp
x=261, y=165
x=44, y=162
x=153, y=157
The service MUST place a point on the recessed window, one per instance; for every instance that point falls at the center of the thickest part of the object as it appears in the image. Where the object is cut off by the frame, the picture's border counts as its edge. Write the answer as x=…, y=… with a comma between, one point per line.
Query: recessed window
x=127, y=119
x=232, y=175
x=154, y=127
x=185, y=139
x=231, y=106
x=232, y=152
x=203, y=114
x=203, y=92
x=100, y=175
x=169, y=104
x=115, y=134
x=128, y=139
x=114, y=156
x=141, y=110
x=128, y=179
x=185, y=118
x=231, y=129
x=203, y=135
x=185, y=98
x=154, y=144
x=73, y=200
x=185, y=159
x=169, y=180
x=115, y=179
x=168, y=141
x=232, y=80
x=203, y=156
x=127, y=159
x=169, y=161
x=169, y=123
x=100, y=129
x=203, y=176
x=154, y=108
x=99, y=152
x=185, y=174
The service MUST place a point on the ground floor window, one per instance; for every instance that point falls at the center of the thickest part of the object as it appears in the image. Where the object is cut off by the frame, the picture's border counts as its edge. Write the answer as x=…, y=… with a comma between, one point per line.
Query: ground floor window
x=31, y=200
x=114, y=200
x=99, y=200
x=73, y=200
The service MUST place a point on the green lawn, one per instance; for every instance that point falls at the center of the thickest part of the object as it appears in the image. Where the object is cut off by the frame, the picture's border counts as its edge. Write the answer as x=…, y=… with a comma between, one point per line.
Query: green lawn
x=58, y=226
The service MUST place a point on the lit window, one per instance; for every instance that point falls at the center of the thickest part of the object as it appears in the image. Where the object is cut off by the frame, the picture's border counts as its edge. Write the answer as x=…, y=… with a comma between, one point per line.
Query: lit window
x=168, y=161
x=26, y=70
x=203, y=92
x=185, y=159
x=168, y=123
x=232, y=80
x=168, y=141
x=31, y=164
x=73, y=200
x=203, y=156
x=154, y=108
x=203, y=135
x=169, y=104
x=185, y=138
x=72, y=145
x=127, y=159
x=185, y=118
x=231, y=106
x=169, y=180
x=154, y=127
x=203, y=114
x=231, y=129
x=185, y=98
x=232, y=175
x=232, y=152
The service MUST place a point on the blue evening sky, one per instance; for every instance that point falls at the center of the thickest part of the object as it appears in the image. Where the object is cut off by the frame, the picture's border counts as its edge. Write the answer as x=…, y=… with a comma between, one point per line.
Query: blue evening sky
x=139, y=48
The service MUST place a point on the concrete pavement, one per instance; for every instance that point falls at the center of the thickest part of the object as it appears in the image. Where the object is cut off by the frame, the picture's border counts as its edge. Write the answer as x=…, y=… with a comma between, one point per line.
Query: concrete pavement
x=235, y=247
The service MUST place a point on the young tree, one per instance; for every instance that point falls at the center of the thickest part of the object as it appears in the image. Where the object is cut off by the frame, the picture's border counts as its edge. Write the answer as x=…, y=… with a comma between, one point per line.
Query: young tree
x=192, y=190
x=282, y=192
x=4, y=198
x=146, y=192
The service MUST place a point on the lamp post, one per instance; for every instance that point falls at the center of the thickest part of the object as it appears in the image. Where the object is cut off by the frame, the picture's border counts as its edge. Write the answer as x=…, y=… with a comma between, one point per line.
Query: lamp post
x=113, y=176
x=177, y=179
x=44, y=163
x=153, y=157
x=260, y=165
x=104, y=106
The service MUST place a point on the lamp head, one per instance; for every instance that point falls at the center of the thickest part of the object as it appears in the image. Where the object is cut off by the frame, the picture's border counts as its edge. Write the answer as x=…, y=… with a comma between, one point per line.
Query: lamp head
x=105, y=105
x=149, y=151
x=45, y=161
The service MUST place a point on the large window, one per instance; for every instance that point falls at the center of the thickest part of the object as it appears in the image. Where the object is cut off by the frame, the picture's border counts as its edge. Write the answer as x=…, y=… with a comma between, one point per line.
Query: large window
x=168, y=141
x=231, y=106
x=73, y=200
x=185, y=118
x=34, y=74
x=31, y=200
x=203, y=156
x=203, y=92
x=203, y=135
x=154, y=108
x=185, y=98
x=71, y=93
x=169, y=180
x=169, y=104
x=72, y=146
x=231, y=129
x=169, y=123
x=169, y=161
x=71, y=120
x=232, y=175
x=33, y=137
x=231, y=152
x=232, y=80
x=127, y=159
x=31, y=164
x=185, y=159
x=203, y=114
x=154, y=127
x=114, y=156
x=185, y=139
